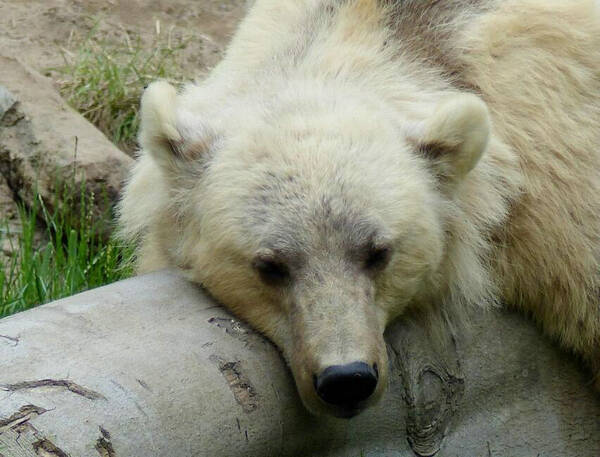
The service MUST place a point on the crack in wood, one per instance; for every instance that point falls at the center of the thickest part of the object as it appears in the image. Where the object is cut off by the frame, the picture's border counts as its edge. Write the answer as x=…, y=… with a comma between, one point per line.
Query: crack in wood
x=18, y=435
x=238, y=330
x=14, y=341
x=24, y=414
x=231, y=327
x=64, y=383
x=144, y=384
x=243, y=391
x=45, y=448
x=104, y=445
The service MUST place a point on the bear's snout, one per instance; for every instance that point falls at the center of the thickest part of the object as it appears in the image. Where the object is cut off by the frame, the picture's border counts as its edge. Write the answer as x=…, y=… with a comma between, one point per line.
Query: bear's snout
x=346, y=386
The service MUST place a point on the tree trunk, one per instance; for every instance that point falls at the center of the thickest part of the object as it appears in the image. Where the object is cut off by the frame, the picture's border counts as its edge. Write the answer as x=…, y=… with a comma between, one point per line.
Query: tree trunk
x=152, y=367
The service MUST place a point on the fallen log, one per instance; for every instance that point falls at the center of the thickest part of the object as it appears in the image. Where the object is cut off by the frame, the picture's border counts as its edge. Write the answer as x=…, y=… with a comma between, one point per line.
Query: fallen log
x=153, y=367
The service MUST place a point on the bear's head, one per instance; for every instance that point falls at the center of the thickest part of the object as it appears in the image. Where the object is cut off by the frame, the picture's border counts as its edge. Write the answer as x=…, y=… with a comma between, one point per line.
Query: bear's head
x=315, y=218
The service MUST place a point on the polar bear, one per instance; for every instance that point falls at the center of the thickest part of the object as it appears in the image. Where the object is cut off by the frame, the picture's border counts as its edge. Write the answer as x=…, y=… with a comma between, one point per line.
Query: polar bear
x=353, y=161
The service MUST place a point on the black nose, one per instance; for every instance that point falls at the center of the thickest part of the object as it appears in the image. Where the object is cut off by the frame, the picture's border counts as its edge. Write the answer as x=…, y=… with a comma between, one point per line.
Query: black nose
x=346, y=385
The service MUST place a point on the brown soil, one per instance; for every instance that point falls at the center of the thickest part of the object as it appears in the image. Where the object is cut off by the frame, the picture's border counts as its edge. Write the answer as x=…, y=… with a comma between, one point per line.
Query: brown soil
x=37, y=31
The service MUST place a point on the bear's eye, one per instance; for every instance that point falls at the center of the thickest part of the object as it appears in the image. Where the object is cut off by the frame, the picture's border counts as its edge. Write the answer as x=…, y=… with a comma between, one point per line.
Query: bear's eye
x=378, y=257
x=271, y=271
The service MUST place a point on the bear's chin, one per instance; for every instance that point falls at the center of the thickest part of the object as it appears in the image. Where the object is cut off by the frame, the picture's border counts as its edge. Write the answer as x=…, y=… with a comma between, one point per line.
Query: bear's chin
x=322, y=409
x=347, y=413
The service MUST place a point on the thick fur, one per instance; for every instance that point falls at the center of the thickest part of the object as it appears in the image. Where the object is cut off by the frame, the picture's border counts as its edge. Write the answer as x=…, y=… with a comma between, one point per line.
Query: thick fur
x=464, y=134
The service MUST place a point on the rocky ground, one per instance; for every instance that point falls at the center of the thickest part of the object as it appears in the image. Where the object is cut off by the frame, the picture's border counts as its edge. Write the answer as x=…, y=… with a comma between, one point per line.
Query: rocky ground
x=39, y=33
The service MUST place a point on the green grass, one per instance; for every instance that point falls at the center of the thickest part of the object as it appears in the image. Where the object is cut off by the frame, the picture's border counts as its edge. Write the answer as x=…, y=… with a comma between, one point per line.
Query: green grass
x=74, y=254
x=104, y=80
x=58, y=250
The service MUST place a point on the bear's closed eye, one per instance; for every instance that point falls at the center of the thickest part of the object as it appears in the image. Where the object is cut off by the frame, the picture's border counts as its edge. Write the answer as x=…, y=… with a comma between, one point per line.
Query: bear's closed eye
x=378, y=257
x=271, y=271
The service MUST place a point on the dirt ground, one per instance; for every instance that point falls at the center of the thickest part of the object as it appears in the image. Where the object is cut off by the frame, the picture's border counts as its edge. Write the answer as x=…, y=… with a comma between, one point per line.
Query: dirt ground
x=36, y=31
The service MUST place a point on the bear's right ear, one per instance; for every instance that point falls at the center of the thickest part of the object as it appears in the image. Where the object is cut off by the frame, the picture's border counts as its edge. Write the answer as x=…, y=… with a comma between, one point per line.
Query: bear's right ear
x=454, y=137
x=160, y=136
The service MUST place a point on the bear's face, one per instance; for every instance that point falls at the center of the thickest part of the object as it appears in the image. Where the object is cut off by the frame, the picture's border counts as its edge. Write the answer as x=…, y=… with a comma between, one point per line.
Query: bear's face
x=318, y=228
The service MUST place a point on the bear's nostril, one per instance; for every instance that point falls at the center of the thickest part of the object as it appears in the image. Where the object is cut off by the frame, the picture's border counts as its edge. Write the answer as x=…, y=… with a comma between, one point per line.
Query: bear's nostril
x=347, y=385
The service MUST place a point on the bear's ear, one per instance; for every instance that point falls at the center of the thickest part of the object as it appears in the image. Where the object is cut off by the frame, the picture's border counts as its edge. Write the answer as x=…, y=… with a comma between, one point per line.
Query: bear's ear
x=161, y=137
x=455, y=137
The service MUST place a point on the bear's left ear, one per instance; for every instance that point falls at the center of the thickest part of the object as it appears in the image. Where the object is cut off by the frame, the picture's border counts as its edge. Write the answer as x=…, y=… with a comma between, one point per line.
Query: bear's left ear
x=162, y=138
x=455, y=137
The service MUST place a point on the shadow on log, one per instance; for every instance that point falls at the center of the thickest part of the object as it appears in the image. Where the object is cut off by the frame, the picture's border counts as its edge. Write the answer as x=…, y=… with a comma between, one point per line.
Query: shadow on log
x=152, y=367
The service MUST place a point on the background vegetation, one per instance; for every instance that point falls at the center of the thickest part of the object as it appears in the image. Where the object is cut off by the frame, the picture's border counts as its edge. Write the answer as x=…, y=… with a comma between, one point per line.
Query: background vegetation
x=59, y=252
x=104, y=81
x=64, y=250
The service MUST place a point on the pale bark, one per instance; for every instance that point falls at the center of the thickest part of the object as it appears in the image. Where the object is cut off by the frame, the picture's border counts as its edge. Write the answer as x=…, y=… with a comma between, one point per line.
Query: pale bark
x=152, y=367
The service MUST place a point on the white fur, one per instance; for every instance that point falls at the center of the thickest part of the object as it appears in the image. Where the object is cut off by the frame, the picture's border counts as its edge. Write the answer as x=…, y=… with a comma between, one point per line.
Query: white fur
x=341, y=103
